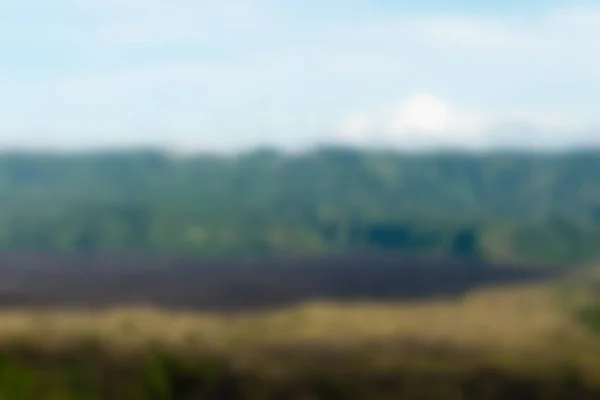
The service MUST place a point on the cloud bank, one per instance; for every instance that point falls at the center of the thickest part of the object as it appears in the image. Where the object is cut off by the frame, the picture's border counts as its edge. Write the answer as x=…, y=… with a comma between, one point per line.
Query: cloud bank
x=424, y=121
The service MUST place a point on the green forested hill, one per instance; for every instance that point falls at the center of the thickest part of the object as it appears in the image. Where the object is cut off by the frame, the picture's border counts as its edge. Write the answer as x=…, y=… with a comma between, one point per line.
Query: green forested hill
x=543, y=207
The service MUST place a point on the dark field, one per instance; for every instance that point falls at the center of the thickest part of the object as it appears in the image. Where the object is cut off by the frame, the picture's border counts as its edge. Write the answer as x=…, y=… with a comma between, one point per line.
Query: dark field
x=53, y=280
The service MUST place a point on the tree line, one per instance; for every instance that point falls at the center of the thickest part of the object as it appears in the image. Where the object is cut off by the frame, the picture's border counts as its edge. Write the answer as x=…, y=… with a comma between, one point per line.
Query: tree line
x=527, y=206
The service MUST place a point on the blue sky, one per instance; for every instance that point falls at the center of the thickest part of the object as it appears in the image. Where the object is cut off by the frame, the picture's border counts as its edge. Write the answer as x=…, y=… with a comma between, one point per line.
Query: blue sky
x=230, y=74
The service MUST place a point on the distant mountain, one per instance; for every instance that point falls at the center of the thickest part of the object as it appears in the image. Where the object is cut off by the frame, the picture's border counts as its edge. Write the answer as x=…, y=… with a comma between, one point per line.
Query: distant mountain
x=542, y=206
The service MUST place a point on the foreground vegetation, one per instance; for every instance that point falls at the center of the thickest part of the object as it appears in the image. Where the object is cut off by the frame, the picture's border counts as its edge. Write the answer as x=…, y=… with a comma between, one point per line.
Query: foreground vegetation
x=540, y=207
x=534, y=341
x=91, y=374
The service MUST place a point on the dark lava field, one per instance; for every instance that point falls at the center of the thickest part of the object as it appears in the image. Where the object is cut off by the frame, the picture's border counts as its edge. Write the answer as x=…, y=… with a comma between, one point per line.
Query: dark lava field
x=91, y=281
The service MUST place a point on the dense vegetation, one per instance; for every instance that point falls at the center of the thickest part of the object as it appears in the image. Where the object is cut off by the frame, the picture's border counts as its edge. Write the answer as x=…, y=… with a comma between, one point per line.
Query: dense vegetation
x=543, y=207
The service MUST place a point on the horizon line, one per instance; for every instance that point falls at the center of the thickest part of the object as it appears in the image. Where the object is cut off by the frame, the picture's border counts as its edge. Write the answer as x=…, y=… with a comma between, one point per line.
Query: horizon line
x=174, y=151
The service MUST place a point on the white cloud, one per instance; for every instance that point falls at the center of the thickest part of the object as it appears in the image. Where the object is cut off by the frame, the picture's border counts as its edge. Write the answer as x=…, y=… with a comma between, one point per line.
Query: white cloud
x=425, y=121
x=429, y=115
x=422, y=120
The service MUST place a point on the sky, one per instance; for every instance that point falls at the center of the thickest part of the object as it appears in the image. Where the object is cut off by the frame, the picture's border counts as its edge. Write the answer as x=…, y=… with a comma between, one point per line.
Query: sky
x=232, y=74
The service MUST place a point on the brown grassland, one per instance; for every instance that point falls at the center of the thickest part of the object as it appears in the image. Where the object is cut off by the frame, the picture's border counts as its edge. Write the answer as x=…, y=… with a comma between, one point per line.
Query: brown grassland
x=523, y=329
x=524, y=340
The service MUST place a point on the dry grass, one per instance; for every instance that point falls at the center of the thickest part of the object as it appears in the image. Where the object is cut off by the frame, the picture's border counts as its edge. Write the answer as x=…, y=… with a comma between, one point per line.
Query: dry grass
x=514, y=317
x=507, y=324
x=527, y=334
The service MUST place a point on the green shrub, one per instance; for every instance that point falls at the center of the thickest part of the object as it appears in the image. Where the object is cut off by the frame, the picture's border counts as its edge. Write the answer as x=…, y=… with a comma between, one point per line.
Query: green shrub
x=589, y=316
